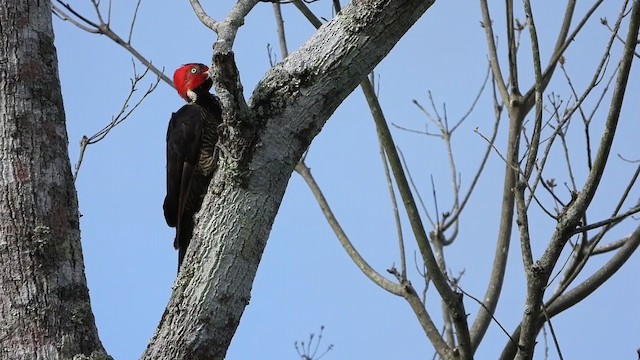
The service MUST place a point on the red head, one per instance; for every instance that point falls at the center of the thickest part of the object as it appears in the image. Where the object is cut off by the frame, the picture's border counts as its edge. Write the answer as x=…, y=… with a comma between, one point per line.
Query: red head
x=191, y=79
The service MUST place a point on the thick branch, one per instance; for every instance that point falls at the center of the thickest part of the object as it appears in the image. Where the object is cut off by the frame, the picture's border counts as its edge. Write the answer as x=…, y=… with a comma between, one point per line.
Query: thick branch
x=289, y=106
x=360, y=262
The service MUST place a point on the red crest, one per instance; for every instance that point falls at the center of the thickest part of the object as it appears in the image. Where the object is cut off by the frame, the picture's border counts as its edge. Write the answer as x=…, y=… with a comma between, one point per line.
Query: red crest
x=191, y=77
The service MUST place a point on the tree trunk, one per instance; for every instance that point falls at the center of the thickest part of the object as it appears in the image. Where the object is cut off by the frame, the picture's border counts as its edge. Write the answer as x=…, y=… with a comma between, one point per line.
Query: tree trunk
x=44, y=301
x=288, y=108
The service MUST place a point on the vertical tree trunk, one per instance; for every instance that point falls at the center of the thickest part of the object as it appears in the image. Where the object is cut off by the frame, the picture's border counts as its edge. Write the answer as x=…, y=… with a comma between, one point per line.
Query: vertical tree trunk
x=44, y=301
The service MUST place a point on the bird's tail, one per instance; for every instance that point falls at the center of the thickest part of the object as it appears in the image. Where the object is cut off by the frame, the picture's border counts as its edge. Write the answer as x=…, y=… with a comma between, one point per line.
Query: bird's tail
x=183, y=237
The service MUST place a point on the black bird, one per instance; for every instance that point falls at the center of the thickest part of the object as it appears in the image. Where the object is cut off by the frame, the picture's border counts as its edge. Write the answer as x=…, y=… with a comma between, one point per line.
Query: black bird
x=192, y=156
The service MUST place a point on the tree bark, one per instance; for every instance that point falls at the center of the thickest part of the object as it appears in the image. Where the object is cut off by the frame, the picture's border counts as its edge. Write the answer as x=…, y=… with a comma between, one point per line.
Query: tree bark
x=288, y=108
x=44, y=301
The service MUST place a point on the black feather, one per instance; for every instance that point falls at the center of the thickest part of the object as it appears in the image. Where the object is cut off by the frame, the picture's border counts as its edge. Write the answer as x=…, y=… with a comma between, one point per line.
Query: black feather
x=191, y=142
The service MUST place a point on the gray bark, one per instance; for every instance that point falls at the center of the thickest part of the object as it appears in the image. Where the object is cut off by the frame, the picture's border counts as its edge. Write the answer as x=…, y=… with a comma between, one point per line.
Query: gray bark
x=288, y=108
x=44, y=301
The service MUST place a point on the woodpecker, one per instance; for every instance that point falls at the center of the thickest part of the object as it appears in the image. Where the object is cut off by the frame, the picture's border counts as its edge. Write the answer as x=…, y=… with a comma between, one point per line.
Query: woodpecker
x=191, y=151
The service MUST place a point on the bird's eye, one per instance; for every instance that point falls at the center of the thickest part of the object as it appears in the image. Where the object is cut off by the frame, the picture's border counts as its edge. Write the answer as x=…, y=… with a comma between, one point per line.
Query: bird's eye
x=194, y=70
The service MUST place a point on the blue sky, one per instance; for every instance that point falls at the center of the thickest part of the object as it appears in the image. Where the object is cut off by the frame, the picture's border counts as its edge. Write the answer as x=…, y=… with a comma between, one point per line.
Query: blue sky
x=305, y=279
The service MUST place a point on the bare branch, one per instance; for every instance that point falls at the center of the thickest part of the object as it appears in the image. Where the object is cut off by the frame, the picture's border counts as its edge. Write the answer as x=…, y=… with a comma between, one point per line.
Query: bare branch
x=588, y=248
x=581, y=291
x=404, y=289
x=305, y=352
x=603, y=249
x=628, y=160
x=535, y=49
x=413, y=130
x=578, y=265
x=494, y=287
x=205, y=19
x=437, y=276
x=362, y=264
x=475, y=100
x=608, y=221
x=541, y=164
x=133, y=22
x=396, y=213
x=453, y=219
x=103, y=28
x=525, y=349
x=228, y=28
x=604, y=22
x=561, y=45
x=304, y=9
x=96, y=7
x=280, y=29
x=575, y=211
x=488, y=311
x=523, y=226
x=424, y=318
x=415, y=188
x=595, y=175
x=123, y=114
x=92, y=28
x=487, y=24
x=553, y=334
x=513, y=49
x=492, y=145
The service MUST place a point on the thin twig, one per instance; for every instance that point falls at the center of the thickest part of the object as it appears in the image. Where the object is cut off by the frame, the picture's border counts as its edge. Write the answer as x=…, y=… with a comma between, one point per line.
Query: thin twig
x=562, y=44
x=604, y=22
x=133, y=22
x=92, y=28
x=489, y=312
x=415, y=188
x=396, y=213
x=608, y=221
x=487, y=24
x=553, y=334
x=123, y=114
x=103, y=28
x=498, y=108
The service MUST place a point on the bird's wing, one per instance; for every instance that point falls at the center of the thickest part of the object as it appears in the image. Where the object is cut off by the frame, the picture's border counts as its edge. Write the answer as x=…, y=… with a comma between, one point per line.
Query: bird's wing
x=183, y=148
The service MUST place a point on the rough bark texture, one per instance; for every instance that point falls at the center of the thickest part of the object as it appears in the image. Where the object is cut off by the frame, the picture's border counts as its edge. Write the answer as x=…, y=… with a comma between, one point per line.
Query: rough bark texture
x=44, y=300
x=289, y=107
